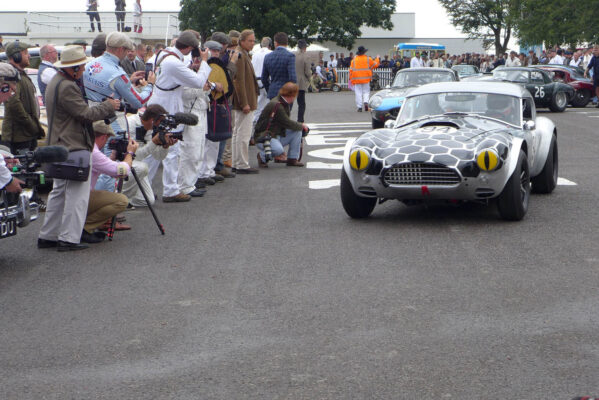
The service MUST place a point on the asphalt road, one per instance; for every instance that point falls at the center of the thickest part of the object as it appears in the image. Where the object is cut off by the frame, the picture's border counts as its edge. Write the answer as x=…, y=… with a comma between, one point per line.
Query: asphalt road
x=265, y=289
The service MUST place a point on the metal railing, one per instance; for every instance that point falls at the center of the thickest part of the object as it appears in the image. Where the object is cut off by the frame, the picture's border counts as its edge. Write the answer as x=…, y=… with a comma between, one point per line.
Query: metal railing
x=155, y=24
x=385, y=76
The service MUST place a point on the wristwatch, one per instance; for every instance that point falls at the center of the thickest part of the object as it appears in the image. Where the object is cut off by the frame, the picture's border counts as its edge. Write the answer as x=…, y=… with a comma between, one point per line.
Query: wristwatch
x=132, y=154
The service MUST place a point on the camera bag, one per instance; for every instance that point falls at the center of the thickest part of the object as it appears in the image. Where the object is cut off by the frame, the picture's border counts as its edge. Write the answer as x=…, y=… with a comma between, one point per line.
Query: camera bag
x=219, y=122
x=76, y=167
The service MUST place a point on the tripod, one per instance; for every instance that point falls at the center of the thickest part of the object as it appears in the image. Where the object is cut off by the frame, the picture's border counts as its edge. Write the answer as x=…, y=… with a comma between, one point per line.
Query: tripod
x=110, y=232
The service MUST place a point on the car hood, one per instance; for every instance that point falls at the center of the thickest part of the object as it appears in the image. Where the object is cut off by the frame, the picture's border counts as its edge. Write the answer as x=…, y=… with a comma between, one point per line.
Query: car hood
x=393, y=97
x=443, y=140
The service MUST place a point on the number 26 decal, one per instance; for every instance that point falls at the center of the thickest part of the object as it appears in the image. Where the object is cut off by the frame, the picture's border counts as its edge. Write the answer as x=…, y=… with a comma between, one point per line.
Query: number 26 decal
x=539, y=91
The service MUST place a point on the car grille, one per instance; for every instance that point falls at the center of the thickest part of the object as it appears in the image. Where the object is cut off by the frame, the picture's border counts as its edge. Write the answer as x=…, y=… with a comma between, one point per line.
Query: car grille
x=421, y=174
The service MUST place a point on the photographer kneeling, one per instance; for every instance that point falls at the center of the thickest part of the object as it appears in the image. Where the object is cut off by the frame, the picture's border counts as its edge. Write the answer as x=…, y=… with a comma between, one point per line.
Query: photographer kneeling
x=274, y=125
x=104, y=205
x=152, y=144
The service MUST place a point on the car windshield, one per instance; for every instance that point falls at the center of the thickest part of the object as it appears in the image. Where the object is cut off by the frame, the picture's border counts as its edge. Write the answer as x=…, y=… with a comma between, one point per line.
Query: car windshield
x=512, y=75
x=498, y=106
x=417, y=78
x=465, y=69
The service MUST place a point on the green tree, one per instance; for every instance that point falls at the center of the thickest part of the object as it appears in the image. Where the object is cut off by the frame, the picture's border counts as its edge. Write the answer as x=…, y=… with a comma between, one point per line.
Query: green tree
x=335, y=20
x=489, y=20
x=558, y=22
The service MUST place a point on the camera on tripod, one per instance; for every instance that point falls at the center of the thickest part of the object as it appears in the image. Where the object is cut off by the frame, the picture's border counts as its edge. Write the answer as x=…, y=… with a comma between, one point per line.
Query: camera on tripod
x=170, y=122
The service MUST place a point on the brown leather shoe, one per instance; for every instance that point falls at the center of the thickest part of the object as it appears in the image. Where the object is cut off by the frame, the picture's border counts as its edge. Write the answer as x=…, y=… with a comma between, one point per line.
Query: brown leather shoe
x=281, y=158
x=181, y=197
x=261, y=163
x=292, y=162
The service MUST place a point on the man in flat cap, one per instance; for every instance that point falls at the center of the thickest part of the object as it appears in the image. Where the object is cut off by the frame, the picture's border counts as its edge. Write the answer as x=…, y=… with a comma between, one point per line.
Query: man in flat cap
x=21, y=127
x=105, y=78
x=172, y=76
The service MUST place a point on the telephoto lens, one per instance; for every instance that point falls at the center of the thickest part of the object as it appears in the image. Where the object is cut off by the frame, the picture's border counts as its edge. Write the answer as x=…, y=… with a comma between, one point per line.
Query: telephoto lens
x=267, y=150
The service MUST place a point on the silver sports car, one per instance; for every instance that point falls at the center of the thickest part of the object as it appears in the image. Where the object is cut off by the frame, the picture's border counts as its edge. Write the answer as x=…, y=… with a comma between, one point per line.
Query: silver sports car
x=455, y=141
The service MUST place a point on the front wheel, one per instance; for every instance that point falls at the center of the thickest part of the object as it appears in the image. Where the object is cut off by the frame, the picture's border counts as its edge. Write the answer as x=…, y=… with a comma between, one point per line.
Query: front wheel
x=559, y=101
x=354, y=205
x=336, y=88
x=512, y=203
x=546, y=181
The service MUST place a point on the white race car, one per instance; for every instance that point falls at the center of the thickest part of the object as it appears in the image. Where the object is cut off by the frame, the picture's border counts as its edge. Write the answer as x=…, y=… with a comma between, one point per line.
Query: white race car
x=456, y=141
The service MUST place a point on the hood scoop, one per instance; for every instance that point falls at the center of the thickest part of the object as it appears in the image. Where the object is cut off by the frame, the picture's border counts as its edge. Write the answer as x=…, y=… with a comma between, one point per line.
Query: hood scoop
x=441, y=124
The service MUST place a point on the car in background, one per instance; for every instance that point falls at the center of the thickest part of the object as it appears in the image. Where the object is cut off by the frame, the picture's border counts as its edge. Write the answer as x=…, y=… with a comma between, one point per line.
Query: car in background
x=385, y=104
x=34, y=54
x=545, y=92
x=466, y=70
x=583, y=87
x=455, y=142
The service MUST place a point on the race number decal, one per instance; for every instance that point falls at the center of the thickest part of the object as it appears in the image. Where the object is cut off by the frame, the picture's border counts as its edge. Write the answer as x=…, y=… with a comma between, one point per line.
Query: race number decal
x=437, y=129
x=539, y=91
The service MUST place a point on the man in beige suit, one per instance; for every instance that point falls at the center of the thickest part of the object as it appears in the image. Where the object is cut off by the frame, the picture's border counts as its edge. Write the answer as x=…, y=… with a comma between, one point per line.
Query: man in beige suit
x=245, y=100
x=304, y=73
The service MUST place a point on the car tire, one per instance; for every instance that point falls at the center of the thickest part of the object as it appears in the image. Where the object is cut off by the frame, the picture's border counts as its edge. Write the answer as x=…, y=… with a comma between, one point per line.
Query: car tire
x=336, y=88
x=354, y=205
x=512, y=203
x=559, y=101
x=581, y=98
x=376, y=124
x=546, y=181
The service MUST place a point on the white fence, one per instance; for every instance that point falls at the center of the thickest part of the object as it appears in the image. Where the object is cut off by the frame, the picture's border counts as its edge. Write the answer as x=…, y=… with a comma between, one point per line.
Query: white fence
x=385, y=76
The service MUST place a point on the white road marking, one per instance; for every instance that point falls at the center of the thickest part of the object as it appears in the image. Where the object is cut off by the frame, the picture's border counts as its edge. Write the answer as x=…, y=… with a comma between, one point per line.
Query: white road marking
x=328, y=153
x=565, y=182
x=321, y=140
x=321, y=165
x=324, y=184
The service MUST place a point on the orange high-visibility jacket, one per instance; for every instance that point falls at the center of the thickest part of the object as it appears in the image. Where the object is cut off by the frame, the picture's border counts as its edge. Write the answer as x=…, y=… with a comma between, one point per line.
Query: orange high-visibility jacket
x=360, y=70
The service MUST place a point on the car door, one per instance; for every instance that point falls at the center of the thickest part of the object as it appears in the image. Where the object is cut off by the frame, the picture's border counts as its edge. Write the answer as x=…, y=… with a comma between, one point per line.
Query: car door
x=539, y=89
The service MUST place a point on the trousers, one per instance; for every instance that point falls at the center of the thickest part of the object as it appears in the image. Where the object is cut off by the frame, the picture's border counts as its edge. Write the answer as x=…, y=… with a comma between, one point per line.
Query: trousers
x=102, y=206
x=170, y=171
x=66, y=211
x=362, y=91
x=242, y=132
x=291, y=138
x=208, y=162
x=301, y=105
x=191, y=155
x=262, y=102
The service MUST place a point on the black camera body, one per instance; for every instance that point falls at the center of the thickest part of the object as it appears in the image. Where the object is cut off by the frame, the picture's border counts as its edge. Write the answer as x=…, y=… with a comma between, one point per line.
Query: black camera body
x=119, y=145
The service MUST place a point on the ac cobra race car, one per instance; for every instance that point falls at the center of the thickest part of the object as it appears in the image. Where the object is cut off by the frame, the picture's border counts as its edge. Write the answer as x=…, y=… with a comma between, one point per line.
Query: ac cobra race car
x=455, y=141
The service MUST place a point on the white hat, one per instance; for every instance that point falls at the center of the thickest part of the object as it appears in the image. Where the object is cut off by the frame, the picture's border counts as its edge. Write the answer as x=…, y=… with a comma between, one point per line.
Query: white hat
x=72, y=56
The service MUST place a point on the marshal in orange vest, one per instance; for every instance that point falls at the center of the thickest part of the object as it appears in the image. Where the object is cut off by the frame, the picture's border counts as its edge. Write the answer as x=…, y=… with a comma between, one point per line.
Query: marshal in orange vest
x=360, y=70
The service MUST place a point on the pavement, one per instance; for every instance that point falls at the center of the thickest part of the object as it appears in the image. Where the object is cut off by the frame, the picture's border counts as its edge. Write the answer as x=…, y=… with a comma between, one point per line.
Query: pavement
x=265, y=289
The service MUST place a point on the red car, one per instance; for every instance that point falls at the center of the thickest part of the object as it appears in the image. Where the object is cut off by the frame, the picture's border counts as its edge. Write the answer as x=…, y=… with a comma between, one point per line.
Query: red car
x=582, y=86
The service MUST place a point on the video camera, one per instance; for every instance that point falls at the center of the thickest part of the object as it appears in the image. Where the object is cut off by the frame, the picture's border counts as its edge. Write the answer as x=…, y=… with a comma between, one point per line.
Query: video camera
x=170, y=122
x=119, y=144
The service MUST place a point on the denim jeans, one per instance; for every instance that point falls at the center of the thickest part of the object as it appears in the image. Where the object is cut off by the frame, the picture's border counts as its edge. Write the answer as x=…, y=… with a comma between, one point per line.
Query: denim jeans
x=219, y=161
x=291, y=138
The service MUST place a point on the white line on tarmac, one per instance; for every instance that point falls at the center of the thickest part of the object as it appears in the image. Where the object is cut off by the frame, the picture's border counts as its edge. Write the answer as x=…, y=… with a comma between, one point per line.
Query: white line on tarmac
x=328, y=153
x=321, y=165
x=565, y=182
x=324, y=184
x=330, y=183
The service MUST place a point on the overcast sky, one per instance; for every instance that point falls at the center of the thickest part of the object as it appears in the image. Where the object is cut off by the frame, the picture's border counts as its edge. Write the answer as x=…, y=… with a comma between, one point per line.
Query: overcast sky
x=431, y=19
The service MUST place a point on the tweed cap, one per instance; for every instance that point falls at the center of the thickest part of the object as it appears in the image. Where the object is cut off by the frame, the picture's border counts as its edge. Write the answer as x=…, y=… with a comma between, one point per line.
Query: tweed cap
x=119, y=39
x=16, y=47
x=80, y=42
x=188, y=38
x=9, y=72
x=99, y=44
x=213, y=45
x=222, y=38
x=100, y=128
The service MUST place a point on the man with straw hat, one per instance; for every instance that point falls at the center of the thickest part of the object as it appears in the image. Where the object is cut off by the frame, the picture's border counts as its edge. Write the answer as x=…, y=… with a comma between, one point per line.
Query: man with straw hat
x=69, y=120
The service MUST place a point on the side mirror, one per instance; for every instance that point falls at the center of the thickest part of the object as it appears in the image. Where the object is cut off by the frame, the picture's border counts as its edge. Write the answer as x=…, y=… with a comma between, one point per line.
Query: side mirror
x=529, y=125
x=390, y=123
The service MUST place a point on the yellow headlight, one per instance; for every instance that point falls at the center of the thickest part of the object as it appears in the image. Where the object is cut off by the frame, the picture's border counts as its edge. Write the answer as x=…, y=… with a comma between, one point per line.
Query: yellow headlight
x=359, y=159
x=487, y=160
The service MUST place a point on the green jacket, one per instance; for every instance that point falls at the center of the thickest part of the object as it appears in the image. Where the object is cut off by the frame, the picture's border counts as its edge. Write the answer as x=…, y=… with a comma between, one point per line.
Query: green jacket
x=21, y=114
x=280, y=122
